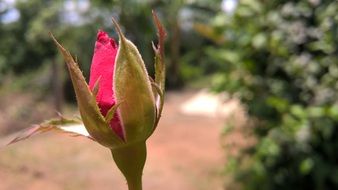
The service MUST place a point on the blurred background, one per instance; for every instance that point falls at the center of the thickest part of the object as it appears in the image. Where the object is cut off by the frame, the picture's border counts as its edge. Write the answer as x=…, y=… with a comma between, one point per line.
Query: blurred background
x=251, y=102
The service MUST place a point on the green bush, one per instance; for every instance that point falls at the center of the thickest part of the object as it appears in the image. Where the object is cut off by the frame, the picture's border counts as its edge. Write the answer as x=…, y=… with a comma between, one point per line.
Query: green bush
x=281, y=58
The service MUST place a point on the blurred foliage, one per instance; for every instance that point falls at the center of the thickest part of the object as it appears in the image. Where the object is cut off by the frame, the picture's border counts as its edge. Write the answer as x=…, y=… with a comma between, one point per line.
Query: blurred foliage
x=281, y=58
x=25, y=44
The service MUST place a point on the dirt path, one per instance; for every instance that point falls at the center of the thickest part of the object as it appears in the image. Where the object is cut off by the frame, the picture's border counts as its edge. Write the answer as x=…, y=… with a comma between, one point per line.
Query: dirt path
x=183, y=154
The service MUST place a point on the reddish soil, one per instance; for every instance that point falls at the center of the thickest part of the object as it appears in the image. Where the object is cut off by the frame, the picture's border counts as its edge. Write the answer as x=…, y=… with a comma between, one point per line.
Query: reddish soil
x=185, y=153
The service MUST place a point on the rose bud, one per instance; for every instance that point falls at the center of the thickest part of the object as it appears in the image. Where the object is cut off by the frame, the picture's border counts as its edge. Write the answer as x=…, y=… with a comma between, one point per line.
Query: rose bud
x=121, y=106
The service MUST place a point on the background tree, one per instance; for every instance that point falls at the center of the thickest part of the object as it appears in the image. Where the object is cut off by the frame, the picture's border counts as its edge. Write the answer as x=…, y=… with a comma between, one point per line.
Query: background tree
x=280, y=57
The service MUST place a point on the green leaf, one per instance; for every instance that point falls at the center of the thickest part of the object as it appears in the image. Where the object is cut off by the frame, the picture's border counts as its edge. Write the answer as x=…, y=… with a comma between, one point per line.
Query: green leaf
x=72, y=127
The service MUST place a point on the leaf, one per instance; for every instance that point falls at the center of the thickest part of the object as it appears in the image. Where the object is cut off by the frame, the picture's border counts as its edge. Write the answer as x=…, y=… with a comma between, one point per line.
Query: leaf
x=72, y=127
x=90, y=113
x=209, y=32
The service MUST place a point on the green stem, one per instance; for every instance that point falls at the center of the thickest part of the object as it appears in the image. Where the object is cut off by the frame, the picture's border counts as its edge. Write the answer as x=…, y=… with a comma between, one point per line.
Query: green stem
x=130, y=160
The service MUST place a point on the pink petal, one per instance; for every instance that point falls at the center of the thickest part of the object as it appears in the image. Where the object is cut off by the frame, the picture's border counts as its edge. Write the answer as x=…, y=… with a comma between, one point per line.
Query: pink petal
x=103, y=67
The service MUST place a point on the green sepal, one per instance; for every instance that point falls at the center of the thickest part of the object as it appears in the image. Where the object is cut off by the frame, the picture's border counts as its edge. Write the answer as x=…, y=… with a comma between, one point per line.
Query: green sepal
x=111, y=112
x=160, y=94
x=132, y=86
x=160, y=69
x=96, y=87
x=93, y=120
x=159, y=53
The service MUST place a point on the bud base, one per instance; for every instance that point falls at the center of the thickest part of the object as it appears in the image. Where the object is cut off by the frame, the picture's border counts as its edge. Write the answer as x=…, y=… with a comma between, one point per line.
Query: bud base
x=130, y=160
